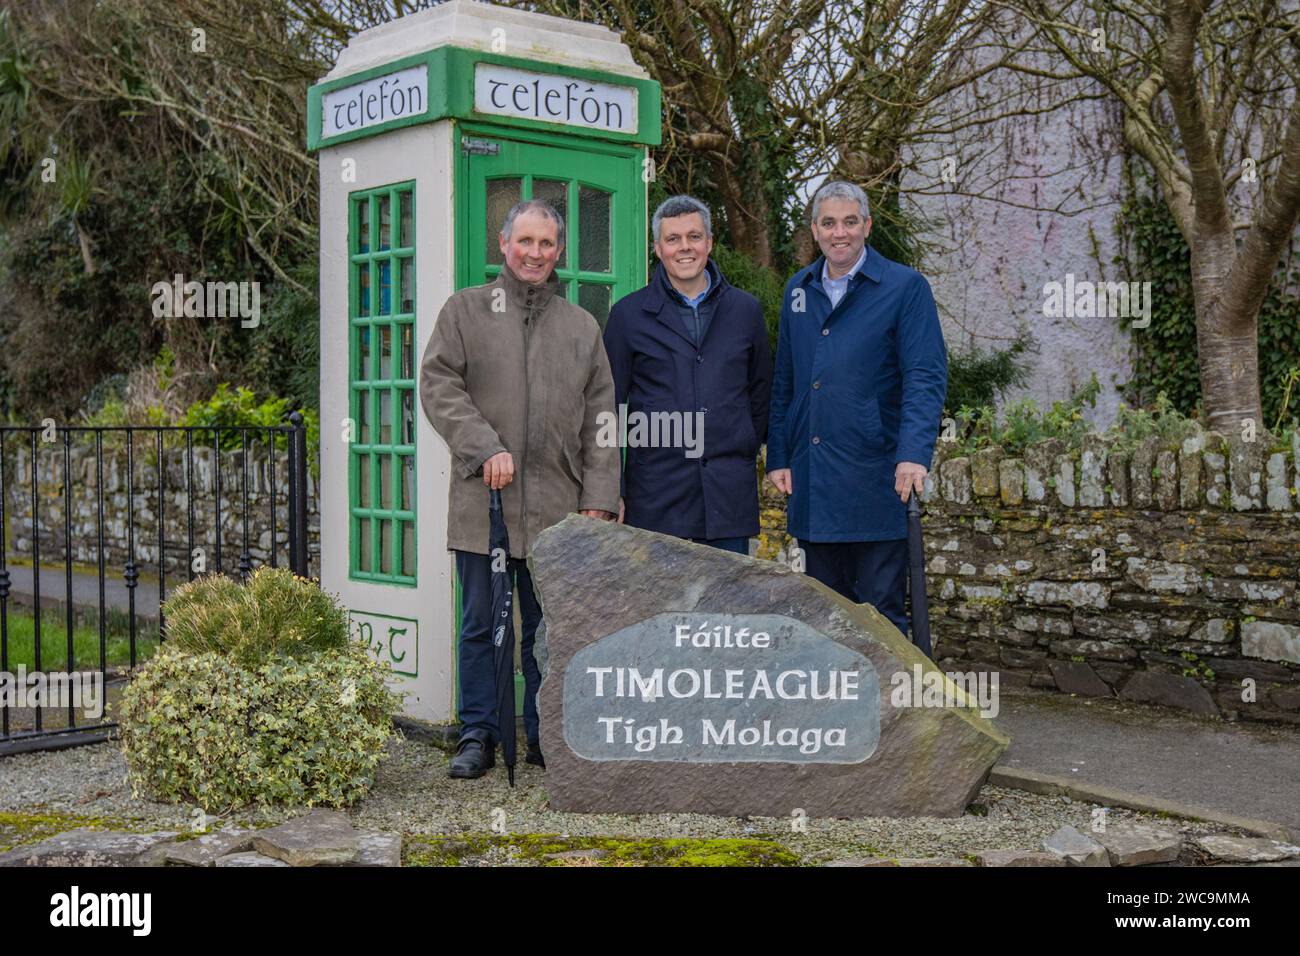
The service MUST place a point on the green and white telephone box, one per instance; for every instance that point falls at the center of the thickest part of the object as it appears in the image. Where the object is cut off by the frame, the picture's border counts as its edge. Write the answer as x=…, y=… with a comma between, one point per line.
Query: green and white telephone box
x=427, y=131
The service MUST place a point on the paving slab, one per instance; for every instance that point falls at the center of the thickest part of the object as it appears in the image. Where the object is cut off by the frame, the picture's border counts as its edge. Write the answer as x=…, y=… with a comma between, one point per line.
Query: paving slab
x=1240, y=769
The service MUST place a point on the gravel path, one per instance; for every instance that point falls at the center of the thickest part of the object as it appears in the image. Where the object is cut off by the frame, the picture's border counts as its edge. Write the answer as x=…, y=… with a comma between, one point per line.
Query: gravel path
x=414, y=795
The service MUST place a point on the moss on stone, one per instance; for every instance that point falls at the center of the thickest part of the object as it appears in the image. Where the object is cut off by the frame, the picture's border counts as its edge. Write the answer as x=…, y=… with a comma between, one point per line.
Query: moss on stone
x=539, y=849
x=18, y=829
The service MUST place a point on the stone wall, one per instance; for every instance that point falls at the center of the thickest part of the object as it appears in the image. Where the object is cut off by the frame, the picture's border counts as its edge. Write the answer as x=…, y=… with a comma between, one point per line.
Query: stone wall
x=145, y=507
x=1159, y=574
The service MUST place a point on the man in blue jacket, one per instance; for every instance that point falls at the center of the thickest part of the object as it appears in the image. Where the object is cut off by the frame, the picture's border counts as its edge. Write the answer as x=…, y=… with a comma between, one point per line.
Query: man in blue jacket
x=857, y=397
x=690, y=351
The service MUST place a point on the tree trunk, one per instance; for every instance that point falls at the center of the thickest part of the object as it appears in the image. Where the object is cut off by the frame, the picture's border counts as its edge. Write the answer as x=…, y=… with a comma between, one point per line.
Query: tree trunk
x=748, y=214
x=1229, y=360
x=1226, y=343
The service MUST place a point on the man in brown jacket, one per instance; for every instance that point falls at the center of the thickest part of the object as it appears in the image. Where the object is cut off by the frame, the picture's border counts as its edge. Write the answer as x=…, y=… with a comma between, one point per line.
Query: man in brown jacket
x=513, y=379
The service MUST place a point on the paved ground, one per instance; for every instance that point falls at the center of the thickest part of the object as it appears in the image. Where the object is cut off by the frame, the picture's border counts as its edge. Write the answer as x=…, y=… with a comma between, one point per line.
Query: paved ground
x=1250, y=770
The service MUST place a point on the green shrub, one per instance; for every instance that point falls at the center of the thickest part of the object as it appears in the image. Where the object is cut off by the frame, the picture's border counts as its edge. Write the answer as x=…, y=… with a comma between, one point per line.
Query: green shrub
x=978, y=377
x=1134, y=425
x=275, y=614
x=1023, y=423
x=202, y=729
x=151, y=396
x=229, y=411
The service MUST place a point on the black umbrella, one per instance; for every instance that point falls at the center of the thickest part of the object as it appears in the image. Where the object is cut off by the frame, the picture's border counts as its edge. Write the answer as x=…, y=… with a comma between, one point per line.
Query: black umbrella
x=916, y=568
x=503, y=630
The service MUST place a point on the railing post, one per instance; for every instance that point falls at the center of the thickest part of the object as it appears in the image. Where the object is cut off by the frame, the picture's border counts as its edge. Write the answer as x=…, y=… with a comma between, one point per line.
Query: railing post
x=298, y=496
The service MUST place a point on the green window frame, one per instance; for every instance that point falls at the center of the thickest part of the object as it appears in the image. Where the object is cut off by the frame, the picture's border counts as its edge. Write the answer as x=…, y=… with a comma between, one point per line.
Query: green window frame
x=591, y=183
x=381, y=384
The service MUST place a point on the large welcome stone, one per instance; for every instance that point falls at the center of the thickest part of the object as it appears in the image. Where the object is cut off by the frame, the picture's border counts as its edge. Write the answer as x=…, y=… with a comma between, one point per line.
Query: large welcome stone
x=683, y=678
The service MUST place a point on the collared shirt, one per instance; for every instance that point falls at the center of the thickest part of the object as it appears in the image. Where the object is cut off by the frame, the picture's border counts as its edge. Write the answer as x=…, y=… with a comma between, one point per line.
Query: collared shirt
x=835, y=288
x=695, y=311
x=694, y=301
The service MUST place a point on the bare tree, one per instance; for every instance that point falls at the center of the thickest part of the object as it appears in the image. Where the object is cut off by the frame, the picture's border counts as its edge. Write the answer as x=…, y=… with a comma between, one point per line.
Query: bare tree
x=216, y=89
x=868, y=81
x=774, y=93
x=1209, y=98
x=180, y=113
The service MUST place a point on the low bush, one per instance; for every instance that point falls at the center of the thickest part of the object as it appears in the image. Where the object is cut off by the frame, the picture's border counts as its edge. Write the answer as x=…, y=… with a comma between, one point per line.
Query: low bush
x=201, y=729
x=275, y=613
x=1022, y=423
x=258, y=696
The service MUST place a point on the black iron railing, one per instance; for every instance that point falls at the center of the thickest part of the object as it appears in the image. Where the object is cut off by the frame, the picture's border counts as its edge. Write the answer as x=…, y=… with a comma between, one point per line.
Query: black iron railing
x=114, y=608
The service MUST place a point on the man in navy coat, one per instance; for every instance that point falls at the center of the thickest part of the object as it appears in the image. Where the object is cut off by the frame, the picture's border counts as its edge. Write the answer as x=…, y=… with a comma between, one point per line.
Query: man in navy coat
x=857, y=397
x=690, y=349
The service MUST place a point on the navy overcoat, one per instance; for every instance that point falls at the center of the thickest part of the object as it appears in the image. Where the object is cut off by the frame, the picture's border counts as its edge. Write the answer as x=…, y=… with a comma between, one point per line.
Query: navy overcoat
x=857, y=389
x=727, y=378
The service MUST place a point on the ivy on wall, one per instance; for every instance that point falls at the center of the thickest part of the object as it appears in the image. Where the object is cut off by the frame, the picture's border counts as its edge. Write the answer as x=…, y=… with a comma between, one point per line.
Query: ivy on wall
x=1164, y=354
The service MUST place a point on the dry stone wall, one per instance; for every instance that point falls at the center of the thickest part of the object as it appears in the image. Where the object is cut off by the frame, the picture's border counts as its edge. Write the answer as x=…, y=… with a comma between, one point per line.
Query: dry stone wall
x=1159, y=574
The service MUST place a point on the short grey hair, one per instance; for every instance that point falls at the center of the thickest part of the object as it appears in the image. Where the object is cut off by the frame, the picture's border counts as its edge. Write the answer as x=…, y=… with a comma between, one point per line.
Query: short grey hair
x=839, y=189
x=675, y=206
x=534, y=205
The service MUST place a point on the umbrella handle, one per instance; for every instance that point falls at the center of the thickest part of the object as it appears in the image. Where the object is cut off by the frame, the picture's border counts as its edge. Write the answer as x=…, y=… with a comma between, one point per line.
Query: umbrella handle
x=913, y=505
x=494, y=499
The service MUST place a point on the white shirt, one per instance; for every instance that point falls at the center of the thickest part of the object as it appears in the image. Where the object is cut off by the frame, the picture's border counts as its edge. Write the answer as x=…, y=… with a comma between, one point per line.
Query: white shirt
x=835, y=288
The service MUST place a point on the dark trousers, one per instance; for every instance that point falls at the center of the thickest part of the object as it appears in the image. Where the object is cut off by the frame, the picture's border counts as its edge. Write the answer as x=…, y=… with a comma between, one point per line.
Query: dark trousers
x=866, y=572
x=735, y=545
x=477, y=699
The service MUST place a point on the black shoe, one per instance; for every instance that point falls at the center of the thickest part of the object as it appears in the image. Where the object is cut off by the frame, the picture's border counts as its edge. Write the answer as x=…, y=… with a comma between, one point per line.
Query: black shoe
x=473, y=759
x=534, y=756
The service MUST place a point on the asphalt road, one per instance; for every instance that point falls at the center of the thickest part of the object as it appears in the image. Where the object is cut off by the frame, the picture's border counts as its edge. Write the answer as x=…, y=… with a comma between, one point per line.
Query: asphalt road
x=85, y=588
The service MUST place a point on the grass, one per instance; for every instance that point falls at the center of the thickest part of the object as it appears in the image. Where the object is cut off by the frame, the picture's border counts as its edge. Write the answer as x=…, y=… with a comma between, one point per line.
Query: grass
x=540, y=849
x=21, y=643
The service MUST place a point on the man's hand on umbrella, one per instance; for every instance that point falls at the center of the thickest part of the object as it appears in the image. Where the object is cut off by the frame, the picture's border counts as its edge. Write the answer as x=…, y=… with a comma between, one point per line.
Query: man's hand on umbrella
x=909, y=477
x=782, y=480
x=601, y=515
x=499, y=470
